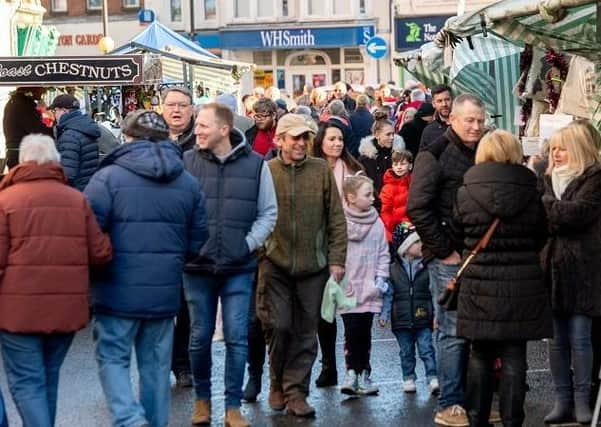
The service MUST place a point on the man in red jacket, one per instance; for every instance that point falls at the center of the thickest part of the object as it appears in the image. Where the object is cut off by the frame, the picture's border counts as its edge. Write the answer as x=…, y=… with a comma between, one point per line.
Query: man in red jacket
x=261, y=136
x=46, y=246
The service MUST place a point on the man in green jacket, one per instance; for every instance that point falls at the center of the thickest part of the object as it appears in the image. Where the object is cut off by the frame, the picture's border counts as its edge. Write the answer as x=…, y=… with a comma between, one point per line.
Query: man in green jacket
x=306, y=247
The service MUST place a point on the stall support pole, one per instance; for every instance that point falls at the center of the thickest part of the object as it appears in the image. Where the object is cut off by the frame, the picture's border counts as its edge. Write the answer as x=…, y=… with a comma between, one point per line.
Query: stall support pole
x=105, y=18
x=599, y=22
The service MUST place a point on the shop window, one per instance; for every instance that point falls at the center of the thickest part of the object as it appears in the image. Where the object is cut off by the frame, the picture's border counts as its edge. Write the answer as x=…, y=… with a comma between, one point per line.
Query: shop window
x=307, y=59
x=129, y=4
x=317, y=7
x=342, y=7
x=241, y=9
x=210, y=9
x=281, y=55
x=94, y=4
x=354, y=76
x=176, y=10
x=262, y=57
x=352, y=56
x=59, y=5
x=335, y=75
x=263, y=78
x=281, y=74
x=334, y=55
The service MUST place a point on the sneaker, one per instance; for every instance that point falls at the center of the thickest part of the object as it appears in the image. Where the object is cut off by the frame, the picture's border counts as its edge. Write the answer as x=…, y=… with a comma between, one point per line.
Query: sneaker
x=494, y=417
x=351, y=384
x=409, y=386
x=453, y=416
x=434, y=387
x=300, y=408
x=366, y=387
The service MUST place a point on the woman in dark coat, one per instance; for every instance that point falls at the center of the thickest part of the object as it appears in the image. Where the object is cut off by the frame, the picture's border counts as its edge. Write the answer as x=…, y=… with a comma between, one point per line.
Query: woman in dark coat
x=502, y=302
x=572, y=201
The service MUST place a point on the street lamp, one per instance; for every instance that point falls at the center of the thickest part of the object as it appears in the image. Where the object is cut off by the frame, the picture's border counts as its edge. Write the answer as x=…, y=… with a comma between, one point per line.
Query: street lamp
x=106, y=44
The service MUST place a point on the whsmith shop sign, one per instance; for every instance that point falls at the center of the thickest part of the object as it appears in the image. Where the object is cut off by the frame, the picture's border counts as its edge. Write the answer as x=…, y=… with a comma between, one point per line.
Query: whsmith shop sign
x=71, y=70
x=411, y=33
x=287, y=38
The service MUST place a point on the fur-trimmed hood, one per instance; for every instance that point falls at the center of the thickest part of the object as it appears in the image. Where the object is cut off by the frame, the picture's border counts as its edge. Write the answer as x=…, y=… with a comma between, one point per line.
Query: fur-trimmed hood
x=368, y=148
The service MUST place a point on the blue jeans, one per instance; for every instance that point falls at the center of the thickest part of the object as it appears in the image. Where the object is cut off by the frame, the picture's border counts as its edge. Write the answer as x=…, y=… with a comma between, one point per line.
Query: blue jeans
x=407, y=339
x=153, y=341
x=571, y=347
x=202, y=293
x=3, y=419
x=452, y=351
x=32, y=363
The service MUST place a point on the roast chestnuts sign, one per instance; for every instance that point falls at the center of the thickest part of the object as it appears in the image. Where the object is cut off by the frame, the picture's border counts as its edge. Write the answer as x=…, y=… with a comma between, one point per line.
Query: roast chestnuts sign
x=71, y=70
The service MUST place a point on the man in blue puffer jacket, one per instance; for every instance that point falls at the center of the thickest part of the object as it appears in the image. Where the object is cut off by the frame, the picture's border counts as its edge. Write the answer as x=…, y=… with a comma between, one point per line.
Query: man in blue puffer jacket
x=76, y=140
x=155, y=214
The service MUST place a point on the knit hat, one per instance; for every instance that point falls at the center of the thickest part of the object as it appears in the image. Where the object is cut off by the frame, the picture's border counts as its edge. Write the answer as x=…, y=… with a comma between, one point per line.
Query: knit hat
x=228, y=100
x=403, y=237
x=66, y=101
x=145, y=124
x=425, y=110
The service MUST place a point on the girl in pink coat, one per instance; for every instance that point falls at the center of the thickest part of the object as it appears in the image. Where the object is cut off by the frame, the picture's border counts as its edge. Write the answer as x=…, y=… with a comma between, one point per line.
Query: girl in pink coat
x=367, y=269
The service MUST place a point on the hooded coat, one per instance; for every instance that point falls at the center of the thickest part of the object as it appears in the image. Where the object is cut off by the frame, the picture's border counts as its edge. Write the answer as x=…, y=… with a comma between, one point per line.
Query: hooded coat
x=48, y=239
x=76, y=142
x=376, y=160
x=571, y=255
x=155, y=214
x=394, y=195
x=368, y=257
x=502, y=295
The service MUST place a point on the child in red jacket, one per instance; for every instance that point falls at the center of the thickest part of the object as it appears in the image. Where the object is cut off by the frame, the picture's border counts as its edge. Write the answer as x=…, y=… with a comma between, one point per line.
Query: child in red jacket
x=395, y=191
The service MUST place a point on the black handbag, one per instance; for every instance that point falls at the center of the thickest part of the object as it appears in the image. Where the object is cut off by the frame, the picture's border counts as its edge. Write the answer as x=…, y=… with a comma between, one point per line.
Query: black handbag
x=449, y=298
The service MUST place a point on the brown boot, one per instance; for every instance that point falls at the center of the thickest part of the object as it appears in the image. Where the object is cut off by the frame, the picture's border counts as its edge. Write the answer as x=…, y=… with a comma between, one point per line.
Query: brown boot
x=234, y=418
x=276, y=398
x=202, y=413
x=300, y=408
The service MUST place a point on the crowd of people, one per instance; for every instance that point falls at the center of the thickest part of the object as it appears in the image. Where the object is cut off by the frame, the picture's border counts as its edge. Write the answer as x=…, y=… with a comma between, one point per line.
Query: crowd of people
x=365, y=206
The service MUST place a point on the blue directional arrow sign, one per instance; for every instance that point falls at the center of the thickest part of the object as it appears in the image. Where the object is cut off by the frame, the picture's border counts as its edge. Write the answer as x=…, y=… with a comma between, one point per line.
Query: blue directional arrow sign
x=376, y=47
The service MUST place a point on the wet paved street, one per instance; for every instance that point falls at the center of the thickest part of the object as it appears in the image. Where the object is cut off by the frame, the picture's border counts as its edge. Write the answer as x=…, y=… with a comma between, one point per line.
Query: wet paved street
x=81, y=402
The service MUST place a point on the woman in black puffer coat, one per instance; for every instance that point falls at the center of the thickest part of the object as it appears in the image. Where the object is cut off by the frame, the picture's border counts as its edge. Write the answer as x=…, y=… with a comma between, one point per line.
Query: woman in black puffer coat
x=571, y=258
x=502, y=302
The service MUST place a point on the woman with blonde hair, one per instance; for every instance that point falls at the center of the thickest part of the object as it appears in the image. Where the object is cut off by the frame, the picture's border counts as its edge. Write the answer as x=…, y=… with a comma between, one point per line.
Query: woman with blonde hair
x=502, y=302
x=572, y=202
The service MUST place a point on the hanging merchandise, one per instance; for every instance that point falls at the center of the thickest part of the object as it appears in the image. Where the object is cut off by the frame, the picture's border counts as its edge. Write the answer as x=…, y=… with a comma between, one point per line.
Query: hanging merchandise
x=578, y=94
x=555, y=76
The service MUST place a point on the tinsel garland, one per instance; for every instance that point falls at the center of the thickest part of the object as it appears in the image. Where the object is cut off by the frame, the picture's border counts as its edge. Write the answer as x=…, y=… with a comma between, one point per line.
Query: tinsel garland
x=525, y=64
x=557, y=60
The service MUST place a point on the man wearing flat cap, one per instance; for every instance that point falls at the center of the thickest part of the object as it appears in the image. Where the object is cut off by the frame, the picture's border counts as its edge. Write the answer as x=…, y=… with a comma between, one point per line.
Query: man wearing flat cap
x=307, y=246
x=76, y=140
x=412, y=131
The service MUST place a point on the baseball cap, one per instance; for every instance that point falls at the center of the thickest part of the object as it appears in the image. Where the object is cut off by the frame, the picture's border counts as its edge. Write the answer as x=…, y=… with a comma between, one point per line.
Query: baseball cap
x=66, y=101
x=295, y=125
x=425, y=110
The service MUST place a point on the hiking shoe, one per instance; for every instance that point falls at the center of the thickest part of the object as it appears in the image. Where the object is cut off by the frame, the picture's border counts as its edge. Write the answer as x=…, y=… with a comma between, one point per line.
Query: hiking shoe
x=276, y=399
x=433, y=385
x=453, y=416
x=327, y=378
x=366, y=387
x=409, y=386
x=300, y=408
x=234, y=418
x=201, y=415
x=351, y=384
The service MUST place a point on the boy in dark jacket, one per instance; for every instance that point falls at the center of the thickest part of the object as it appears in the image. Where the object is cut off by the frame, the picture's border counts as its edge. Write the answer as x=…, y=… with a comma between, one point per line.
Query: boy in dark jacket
x=408, y=306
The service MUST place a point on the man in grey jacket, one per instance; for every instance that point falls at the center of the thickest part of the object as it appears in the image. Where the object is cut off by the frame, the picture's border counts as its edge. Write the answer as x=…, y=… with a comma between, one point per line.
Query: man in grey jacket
x=242, y=212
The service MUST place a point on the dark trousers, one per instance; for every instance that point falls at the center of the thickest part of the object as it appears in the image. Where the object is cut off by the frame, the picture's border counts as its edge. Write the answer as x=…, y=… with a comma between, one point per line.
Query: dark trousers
x=326, y=332
x=180, y=361
x=289, y=308
x=596, y=340
x=256, y=339
x=357, y=341
x=480, y=382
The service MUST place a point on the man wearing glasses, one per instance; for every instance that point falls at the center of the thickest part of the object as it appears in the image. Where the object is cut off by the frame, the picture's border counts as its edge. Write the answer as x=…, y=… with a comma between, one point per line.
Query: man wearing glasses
x=261, y=135
x=178, y=112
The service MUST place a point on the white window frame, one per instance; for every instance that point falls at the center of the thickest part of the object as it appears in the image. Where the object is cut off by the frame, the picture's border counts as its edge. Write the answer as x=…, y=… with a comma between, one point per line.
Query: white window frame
x=329, y=13
x=88, y=7
x=125, y=4
x=53, y=7
x=203, y=9
x=276, y=7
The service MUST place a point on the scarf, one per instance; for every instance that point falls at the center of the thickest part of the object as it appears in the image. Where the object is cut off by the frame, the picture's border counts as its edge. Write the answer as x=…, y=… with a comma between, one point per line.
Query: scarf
x=560, y=178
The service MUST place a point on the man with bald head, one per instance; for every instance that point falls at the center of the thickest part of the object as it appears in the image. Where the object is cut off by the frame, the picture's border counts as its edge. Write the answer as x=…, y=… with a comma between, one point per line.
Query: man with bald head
x=439, y=170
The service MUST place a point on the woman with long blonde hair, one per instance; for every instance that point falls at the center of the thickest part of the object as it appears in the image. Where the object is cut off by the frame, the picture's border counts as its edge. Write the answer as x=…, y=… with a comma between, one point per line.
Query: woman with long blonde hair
x=572, y=202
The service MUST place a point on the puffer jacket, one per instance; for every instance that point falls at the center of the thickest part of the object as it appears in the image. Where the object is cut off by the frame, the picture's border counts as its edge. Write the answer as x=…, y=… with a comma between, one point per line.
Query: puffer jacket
x=155, y=214
x=502, y=295
x=76, y=142
x=394, y=196
x=367, y=257
x=376, y=160
x=48, y=238
x=571, y=255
